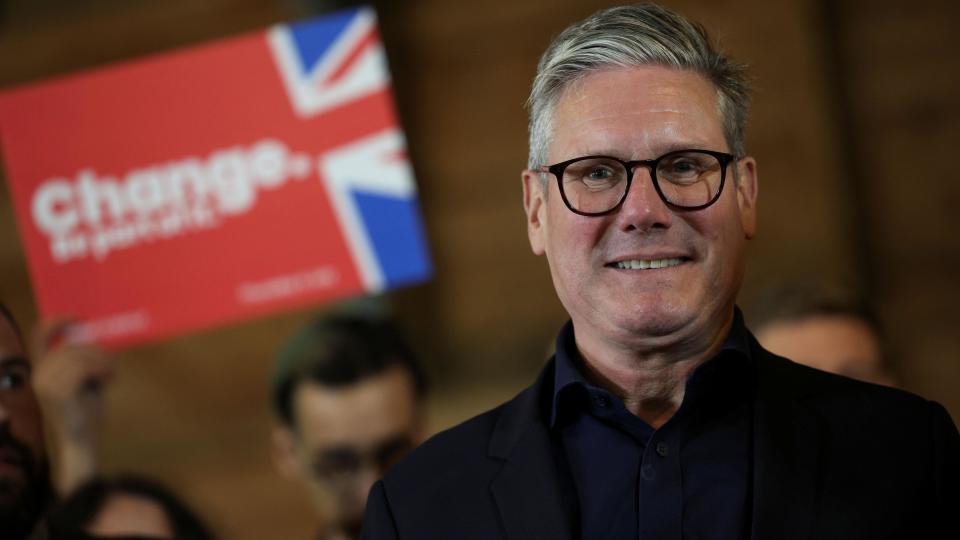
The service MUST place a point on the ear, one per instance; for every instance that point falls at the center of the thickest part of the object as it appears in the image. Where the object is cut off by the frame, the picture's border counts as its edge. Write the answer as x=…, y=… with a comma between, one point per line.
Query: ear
x=285, y=451
x=747, y=195
x=534, y=204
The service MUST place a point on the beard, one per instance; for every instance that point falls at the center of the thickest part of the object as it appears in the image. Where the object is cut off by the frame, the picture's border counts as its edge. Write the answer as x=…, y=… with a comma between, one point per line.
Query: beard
x=23, y=497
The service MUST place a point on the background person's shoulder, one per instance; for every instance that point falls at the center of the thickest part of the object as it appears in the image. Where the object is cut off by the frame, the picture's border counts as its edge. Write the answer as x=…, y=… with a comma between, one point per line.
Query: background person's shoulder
x=855, y=409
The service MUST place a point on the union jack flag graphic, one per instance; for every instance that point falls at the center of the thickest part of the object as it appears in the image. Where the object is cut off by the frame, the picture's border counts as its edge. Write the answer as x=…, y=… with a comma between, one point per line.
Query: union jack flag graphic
x=326, y=63
x=329, y=61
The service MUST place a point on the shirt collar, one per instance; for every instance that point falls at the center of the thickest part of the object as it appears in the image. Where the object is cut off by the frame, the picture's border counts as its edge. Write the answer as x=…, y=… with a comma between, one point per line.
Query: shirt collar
x=568, y=370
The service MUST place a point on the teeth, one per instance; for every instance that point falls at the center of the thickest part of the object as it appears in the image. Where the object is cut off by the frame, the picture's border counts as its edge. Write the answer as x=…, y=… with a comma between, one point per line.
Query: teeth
x=647, y=265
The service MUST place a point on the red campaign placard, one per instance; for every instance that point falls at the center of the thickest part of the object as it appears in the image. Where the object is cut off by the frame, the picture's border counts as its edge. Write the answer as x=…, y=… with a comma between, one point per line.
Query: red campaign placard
x=214, y=184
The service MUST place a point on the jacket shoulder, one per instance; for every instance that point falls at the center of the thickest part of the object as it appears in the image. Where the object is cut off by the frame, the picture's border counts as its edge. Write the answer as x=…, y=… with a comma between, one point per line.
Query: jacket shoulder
x=441, y=489
x=449, y=473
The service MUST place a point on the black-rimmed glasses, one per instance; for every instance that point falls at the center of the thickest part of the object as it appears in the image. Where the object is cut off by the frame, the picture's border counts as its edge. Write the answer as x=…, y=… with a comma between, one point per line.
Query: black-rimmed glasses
x=684, y=179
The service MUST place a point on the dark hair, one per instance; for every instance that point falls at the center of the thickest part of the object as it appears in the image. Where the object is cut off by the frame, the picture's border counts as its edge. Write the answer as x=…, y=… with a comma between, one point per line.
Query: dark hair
x=6, y=314
x=70, y=517
x=798, y=301
x=340, y=350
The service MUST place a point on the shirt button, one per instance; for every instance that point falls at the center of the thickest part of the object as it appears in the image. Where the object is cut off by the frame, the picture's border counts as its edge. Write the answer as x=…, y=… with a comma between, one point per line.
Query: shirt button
x=647, y=472
x=662, y=449
x=602, y=401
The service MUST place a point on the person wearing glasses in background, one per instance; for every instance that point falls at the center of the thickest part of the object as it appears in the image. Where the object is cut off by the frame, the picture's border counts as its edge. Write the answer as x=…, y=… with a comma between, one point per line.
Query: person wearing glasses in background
x=348, y=395
x=660, y=416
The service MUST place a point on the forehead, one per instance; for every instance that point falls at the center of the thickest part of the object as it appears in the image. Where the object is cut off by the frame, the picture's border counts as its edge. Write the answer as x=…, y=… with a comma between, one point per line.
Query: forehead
x=644, y=110
x=127, y=514
x=365, y=413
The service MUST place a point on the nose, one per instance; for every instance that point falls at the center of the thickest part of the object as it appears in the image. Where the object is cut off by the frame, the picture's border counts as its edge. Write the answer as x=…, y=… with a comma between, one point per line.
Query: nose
x=643, y=209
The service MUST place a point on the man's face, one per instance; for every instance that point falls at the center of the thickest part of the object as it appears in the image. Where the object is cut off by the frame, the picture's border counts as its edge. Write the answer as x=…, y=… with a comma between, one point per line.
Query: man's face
x=23, y=470
x=345, y=438
x=836, y=343
x=632, y=114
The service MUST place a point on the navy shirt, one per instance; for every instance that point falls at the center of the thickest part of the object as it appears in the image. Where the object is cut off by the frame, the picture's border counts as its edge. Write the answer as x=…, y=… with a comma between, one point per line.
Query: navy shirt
x=690, y=479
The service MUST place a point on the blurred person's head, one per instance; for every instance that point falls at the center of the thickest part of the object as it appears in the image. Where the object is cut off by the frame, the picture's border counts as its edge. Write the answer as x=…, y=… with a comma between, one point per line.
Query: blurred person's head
x=24, y=473
x=347, y=393
x=828, y=329
x=125, y=507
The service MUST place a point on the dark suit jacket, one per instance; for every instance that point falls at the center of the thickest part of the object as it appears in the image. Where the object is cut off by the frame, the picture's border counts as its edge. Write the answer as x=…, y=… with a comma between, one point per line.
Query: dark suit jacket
x=833, y=458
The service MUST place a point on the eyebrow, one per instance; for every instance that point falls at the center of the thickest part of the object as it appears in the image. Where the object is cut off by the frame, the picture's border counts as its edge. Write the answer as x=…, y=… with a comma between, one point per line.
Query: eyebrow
x=14, y=361
x=658, y=150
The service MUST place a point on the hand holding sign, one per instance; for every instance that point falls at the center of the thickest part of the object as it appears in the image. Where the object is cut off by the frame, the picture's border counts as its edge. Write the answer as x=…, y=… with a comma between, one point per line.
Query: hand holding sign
x=69, y=379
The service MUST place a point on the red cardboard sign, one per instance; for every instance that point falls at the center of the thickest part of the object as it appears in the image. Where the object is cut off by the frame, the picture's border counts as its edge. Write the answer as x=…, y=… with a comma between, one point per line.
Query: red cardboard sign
x=214, y=184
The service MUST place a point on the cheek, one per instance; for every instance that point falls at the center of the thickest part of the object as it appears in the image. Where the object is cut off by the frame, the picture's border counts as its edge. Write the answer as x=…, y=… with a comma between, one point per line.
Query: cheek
x=720, y=227
x=27, y=424
x=569, y=253
x=569, y=234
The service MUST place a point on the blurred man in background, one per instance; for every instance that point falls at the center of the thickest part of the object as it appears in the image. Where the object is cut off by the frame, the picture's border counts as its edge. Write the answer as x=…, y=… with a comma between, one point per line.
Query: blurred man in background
x=24, y=473
x=347, y=392
x=822, y=328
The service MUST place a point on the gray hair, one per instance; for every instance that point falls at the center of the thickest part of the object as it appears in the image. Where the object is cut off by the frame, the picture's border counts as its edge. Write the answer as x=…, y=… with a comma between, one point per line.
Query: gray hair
x=627, y=36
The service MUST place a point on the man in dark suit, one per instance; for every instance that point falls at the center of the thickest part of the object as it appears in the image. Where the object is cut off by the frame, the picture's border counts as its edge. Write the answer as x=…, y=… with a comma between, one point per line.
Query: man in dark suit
x=660, y=417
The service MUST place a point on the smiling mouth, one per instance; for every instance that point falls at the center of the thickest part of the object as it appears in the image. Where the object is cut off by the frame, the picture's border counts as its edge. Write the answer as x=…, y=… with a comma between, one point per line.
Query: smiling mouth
x=647, y=264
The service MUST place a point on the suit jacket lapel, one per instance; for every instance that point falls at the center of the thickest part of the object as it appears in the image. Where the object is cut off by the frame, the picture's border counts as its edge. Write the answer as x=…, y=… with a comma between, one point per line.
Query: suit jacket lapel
x=786, y=446
x=533, y=493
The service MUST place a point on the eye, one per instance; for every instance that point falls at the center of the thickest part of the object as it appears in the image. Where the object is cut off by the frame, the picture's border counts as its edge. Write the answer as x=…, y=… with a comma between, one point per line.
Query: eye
x=599, y=173
x=337, y=463
x=390, y=451
x=687, y=168
x=12, y=380
x=683, y=166
x=595, y=174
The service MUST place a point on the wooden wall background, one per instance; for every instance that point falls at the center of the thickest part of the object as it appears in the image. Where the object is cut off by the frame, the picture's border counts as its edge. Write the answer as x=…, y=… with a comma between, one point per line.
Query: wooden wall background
x=854, y=125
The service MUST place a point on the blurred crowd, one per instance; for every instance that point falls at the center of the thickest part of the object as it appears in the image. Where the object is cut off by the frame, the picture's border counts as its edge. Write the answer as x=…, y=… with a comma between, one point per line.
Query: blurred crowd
x=347, y=393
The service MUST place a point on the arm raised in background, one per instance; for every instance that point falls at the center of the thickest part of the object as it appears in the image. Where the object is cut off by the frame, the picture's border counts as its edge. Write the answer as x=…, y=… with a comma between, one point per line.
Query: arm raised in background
x=68, y=379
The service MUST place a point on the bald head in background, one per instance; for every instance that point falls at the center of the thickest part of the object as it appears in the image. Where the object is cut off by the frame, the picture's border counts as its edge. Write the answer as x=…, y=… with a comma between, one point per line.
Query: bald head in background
x=823, y=328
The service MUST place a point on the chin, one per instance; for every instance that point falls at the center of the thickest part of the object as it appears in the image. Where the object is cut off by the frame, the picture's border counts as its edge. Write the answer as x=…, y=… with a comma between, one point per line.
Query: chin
x=649, y=322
